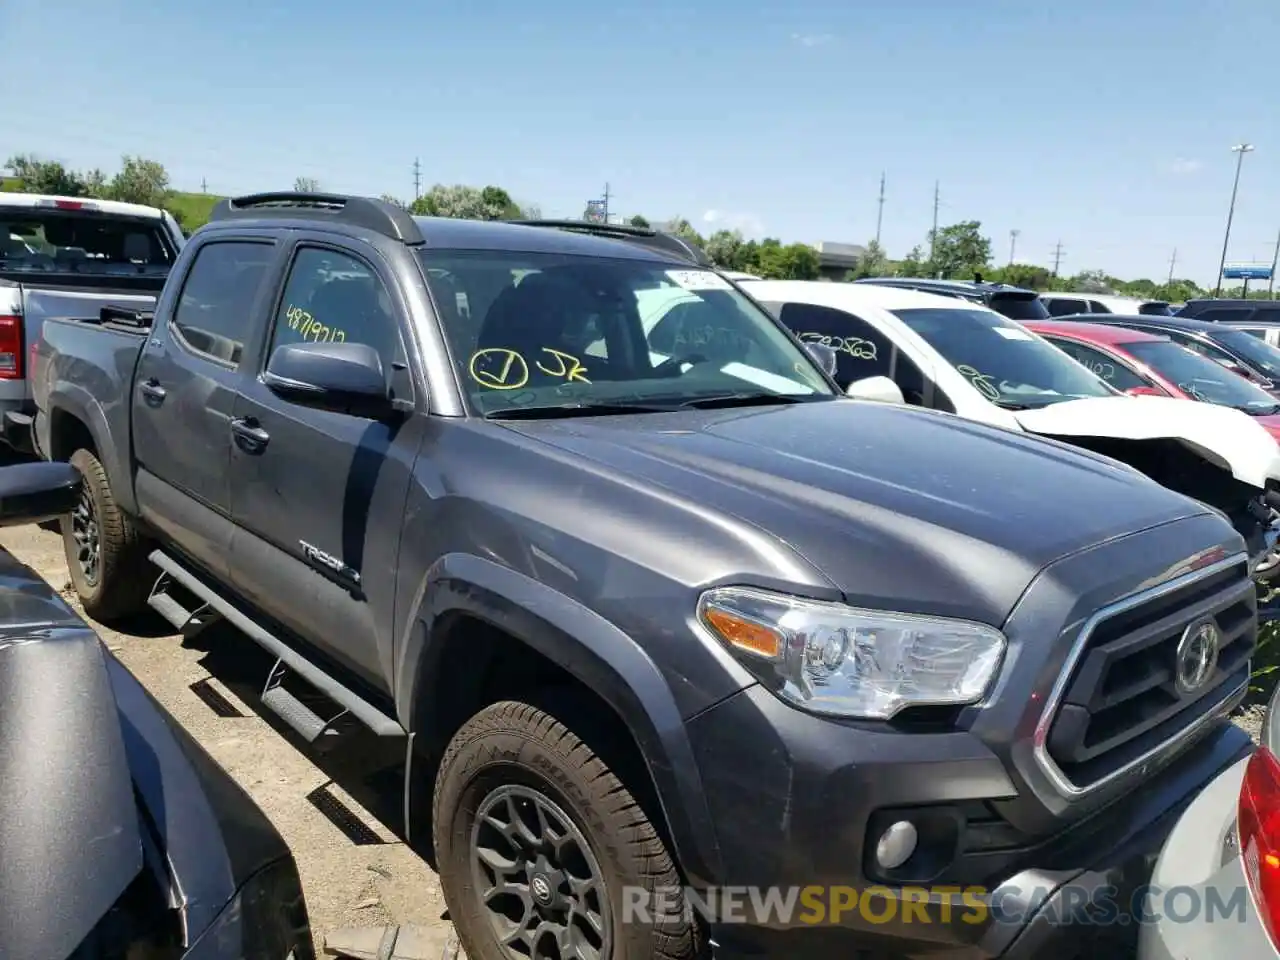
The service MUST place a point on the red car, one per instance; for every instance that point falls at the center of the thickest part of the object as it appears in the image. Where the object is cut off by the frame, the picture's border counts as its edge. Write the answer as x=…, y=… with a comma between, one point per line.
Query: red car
x=1145, y=364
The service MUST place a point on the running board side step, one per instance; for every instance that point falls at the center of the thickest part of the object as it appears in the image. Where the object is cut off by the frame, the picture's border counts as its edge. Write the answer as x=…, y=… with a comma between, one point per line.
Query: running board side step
x=309, y=725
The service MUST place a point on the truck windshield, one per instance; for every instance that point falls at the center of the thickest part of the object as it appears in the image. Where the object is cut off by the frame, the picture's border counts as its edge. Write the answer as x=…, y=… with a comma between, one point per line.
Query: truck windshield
x=1006, y=363
x=1200, y=377
x=48, y=240
x=537, y=331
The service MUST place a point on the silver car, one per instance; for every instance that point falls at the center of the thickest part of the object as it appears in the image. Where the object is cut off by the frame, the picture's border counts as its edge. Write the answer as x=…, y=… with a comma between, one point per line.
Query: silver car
x=1215, y=892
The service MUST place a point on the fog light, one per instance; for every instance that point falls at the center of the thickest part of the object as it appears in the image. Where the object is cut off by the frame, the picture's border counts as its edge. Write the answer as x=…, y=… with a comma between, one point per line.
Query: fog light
x=896, y=845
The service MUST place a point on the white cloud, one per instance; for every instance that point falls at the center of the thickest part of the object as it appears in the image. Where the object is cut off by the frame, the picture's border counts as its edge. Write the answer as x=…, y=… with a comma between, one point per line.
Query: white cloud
x=1182, y=165
x=748, y=224
x=812, y=39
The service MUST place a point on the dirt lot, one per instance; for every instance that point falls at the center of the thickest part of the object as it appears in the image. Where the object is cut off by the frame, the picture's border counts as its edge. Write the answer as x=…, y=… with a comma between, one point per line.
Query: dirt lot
x=359, y=875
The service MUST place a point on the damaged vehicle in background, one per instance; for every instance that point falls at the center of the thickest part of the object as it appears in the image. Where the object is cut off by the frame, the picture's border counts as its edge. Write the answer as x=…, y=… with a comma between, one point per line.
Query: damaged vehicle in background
x=121, y=839
x=910, y=347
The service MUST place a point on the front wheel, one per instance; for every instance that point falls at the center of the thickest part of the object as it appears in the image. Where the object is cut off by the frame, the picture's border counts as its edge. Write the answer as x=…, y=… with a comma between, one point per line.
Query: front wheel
x=106, y=556
x=544, y=853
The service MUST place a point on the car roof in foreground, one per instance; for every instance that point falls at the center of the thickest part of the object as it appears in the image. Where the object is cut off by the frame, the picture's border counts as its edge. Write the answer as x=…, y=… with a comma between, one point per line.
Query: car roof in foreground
x=851, y=296
x=1096, y=332
x=967, y=287
x=49, y=201
x=456, y=234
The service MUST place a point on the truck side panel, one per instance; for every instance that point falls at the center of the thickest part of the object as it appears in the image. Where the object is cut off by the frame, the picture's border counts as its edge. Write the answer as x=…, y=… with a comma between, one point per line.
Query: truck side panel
x=82, y=382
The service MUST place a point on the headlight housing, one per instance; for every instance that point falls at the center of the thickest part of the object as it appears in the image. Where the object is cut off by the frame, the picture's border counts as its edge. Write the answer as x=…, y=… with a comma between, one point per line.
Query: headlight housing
x=837, y=660
x=267, y=920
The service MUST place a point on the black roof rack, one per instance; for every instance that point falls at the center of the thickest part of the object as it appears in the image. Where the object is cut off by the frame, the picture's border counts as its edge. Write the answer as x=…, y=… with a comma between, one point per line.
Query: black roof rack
x=376, y=215
x=643, y=236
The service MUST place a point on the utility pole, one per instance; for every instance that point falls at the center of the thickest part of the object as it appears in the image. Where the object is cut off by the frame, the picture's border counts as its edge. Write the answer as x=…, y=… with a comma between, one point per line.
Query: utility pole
x=1275, y=261
x=1172, y=262
x=606, y=203
x=1240, y=149
x=204, y=185
x=933, y=236
x=1013, y=244
x=880, y=210
x=417, y=179
x=1058, y=254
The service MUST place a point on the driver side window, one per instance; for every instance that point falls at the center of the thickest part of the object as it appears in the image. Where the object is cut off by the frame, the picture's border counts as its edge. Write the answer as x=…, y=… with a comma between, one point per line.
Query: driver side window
x=861, y=350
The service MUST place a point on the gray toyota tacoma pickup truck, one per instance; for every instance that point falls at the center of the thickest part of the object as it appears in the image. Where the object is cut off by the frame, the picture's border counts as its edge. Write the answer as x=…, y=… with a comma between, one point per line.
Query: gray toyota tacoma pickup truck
x=672, y=637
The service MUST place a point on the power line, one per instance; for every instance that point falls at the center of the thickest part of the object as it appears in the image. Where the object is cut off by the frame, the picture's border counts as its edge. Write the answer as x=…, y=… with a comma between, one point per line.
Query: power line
x=417, y=179
x=880, y=211
x=1058, y=254
x=933, y=235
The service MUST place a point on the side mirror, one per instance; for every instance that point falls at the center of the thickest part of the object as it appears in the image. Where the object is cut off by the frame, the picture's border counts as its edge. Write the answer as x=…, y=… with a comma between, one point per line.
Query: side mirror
x=875, y=388
x=343, y=377
x=36, y=492
x=1145, y=392
x=823, y=356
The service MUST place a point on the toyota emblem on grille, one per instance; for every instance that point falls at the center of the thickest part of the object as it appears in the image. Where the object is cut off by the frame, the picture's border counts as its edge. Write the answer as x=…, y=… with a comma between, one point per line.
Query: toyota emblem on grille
x=1197, y=656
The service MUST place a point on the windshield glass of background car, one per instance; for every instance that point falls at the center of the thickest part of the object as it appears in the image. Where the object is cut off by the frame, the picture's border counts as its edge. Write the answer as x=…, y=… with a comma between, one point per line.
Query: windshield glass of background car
x=57, y=241
x=1199, y=377
x=1005, y=363
x=1258, y=353
x=532, y=330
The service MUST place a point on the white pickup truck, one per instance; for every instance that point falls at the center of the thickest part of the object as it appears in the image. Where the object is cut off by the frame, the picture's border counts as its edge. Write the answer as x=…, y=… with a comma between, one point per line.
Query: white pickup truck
x=70, y=256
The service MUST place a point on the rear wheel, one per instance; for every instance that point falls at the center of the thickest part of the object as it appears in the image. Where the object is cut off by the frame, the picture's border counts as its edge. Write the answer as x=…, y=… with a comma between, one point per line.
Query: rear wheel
x=106, y=555
x=544, y=852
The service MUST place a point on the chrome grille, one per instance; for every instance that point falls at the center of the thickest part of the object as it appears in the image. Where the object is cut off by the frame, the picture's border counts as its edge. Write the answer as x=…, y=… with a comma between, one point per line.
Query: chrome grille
x=1119, y=702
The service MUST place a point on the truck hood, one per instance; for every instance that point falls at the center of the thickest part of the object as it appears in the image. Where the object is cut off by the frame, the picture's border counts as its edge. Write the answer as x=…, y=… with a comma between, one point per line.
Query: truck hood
x=961, y=515
x=1229, y=438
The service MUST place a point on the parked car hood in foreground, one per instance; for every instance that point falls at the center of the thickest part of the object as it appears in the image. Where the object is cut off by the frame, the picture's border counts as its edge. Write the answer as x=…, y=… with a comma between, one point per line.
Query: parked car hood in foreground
x=85, y=756
x=960, y=516
x=1230, y=438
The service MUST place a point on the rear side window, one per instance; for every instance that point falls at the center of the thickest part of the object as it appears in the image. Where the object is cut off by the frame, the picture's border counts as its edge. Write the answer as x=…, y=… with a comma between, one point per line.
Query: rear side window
x=1019, y=306
x=1104, y=366
x=53, y=240
x=1223, y=314
x=214, y=315
x=1096, y=307
x=1062, y=307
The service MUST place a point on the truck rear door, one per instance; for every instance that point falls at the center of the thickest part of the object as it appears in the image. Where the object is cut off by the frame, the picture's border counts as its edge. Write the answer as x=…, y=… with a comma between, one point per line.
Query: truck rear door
x=184, y=392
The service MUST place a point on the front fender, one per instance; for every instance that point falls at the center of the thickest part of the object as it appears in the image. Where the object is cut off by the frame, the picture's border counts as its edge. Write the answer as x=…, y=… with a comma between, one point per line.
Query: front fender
x=74, y=400
x=589, y=648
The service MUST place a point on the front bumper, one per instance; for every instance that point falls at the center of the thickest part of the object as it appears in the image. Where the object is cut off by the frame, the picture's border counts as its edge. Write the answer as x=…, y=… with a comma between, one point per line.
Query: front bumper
x=796, y=801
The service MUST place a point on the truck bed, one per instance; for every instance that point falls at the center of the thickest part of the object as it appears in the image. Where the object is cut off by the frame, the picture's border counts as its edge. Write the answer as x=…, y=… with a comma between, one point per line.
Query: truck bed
x=89, y=364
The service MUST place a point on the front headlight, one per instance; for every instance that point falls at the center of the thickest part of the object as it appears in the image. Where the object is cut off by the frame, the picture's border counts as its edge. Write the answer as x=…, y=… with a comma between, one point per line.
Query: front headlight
x=832, y=659
x=267, y=920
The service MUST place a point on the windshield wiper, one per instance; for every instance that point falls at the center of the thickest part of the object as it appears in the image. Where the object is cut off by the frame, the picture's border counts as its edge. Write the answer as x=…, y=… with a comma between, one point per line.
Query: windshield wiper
x=563, y=410
x=742, y=400
x=1010, y=405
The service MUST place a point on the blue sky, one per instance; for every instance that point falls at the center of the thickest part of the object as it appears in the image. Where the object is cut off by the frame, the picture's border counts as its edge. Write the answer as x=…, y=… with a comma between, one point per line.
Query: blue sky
x=1103, y=124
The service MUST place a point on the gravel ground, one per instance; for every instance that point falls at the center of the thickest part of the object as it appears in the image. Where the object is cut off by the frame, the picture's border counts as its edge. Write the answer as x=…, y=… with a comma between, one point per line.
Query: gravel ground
x=371, y=880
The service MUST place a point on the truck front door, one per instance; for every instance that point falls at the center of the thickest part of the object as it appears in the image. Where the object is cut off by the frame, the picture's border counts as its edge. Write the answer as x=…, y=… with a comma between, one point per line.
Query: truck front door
x=318, y=496
x=184, y=392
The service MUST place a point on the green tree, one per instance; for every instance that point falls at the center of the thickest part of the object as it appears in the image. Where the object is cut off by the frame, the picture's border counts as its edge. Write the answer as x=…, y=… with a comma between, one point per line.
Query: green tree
x=46, y=176
x=727, y=249
x=466, y=203
x=912, y=265
x=796, y=261
x=306, y=185
x=395, y=201
x=639, y=221
x=873, y=263
x=960, y=250
x=682, y=228
x=140, y=181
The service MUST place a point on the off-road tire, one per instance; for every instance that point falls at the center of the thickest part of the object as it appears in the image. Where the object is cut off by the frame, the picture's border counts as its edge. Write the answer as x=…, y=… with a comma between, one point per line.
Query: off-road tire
x=511, y=742
x=125, y=576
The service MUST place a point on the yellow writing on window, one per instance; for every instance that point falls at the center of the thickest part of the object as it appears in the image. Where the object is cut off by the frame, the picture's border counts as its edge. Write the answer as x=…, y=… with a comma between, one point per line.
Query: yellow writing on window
x=501, y=369
x=567, y=366
x=309, y=328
